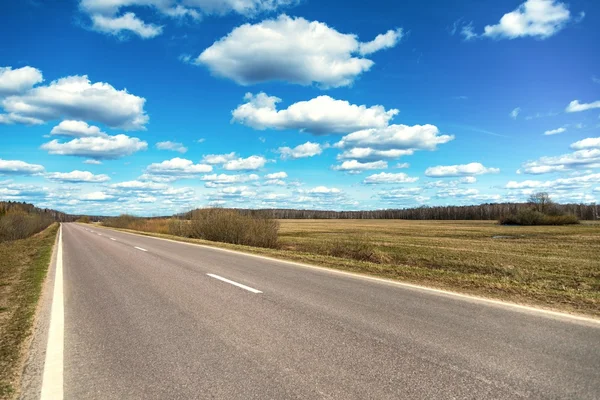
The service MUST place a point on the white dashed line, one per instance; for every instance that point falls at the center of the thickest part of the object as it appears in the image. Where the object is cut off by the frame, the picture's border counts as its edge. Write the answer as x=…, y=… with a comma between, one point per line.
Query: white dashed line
x=248, y=288
x=139, y=248
x=113, y=239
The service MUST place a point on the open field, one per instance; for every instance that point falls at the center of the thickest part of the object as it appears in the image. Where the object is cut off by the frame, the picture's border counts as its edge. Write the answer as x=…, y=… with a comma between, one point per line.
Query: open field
x=555, y=267
x=23, y=267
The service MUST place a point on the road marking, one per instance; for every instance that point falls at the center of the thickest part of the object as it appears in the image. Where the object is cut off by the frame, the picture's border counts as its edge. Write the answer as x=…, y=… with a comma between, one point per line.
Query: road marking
x=113, y=239
x=467, y=297
x=139, y=248
x=52, y=380
x=248, y=288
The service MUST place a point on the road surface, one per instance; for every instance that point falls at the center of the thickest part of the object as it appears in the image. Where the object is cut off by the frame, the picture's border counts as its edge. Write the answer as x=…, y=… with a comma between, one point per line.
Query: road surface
x=152, y=319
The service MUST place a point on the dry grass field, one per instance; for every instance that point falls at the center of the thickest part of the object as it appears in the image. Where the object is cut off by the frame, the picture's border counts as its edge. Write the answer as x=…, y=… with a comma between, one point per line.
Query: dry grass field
x=556, y=267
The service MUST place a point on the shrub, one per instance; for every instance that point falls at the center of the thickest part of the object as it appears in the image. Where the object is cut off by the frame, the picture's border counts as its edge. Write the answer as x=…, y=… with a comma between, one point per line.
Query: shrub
x=17, y=224
x=84, y=220
x=230, y=226
x=358, y=248
x=530, y=216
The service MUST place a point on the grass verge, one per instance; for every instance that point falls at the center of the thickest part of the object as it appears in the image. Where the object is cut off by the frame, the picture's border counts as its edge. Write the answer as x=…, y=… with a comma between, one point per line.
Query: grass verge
x=23, y=267
x=552, y=267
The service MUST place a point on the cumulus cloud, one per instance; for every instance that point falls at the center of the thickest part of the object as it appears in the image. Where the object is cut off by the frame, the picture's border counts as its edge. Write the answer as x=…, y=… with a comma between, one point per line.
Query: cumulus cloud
x=588, y=143
x=139, y=186
x=307, y=149
x=77, y=177
x=71, y=128
x=564, y=184
x=576, y=106
x=555, y=131
x=98, y=148
x=382, y=41
x=396, y=137
x=215, y=180
x=277, y=175
x=16, y=81
x=214, y=159
x=17, y=167
x=586, y=158
x=356, y=167
x=368, y=154
x=127, y=22
x=77, y=98
x=92, y=162
x=251, y=163
x=178, y=167
x=321, y=115
x=106, y=18
x=172, y=146
x=402, y=195
x=389, y=178
x=460, y=170
x=96, y=196
x=536, y=18
x=322, y=191
x=303, y=52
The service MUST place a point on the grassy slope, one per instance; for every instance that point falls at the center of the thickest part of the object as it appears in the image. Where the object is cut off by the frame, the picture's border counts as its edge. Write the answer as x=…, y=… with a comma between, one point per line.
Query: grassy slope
x=555, y=267
x=23, y=267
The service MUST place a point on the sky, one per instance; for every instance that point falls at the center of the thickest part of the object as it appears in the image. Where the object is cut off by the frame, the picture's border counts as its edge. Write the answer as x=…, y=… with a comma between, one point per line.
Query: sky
x=153, y=107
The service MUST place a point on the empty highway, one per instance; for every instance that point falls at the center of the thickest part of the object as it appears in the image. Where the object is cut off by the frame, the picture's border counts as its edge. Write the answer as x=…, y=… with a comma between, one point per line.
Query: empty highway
x=152, y=319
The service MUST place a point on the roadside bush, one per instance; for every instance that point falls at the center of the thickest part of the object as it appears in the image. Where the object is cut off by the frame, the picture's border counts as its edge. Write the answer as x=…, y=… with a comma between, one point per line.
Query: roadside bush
x=18, y=224
x=230, y=226
x=179, y=227
x=84, y=220
x=155, y=225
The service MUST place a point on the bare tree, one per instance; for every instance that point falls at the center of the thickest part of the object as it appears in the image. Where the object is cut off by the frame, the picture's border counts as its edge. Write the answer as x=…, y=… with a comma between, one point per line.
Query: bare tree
x=541, y=201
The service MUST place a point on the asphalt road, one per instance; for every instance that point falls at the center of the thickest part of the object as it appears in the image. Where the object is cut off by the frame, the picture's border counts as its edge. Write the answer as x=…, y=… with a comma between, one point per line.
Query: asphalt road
x=144, y=320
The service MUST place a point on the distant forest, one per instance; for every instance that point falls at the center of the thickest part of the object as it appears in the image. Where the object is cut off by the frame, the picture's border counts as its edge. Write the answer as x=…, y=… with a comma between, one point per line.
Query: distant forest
x=493, y=211
x=479, y=212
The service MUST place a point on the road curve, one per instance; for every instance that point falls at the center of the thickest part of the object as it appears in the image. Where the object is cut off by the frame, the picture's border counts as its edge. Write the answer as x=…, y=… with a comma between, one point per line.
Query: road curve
x=151, y=319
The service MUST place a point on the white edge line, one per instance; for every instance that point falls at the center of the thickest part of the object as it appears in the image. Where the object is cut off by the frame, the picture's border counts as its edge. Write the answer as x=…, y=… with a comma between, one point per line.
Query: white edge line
x=248, y=288
x=139, y=248
x=389, y=281
x=113, y=239
x=52, y=379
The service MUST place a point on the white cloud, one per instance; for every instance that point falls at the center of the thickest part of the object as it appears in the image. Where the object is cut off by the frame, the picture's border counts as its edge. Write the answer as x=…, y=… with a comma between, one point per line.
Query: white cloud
x=71, y=128
x=576, y=106
x=460, y=170
x=92, y=162
x=307, y=149
x=126, y=22
x=232, y=192
x=98, y=148
x=389, y=178
x=13, y=118
x=245, y=164
x=564, y=184
x=368, y=154
x=106, y=19
x=586, y=158
x=172, y=146
x=76, y=177
x=396, y=137
x=468, y=32
x=402, y=195
x=178, y=167
x=214, y=159
x=356, y=167
x=321, y=115
x=215, y=180
x=288, y=49
x=588, y=143
x=382, y=41
x=402, y=165
x=515, y=113
x=16, y=81
x=17, y=167
x=96, y=196
x=139, y=186
x=536, y=18
x=555, y=131
x=277, y=175
x=77, y=98
x=322, y=191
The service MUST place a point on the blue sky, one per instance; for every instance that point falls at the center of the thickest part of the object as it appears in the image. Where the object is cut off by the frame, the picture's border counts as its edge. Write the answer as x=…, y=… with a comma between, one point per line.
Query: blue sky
x=157, y=106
